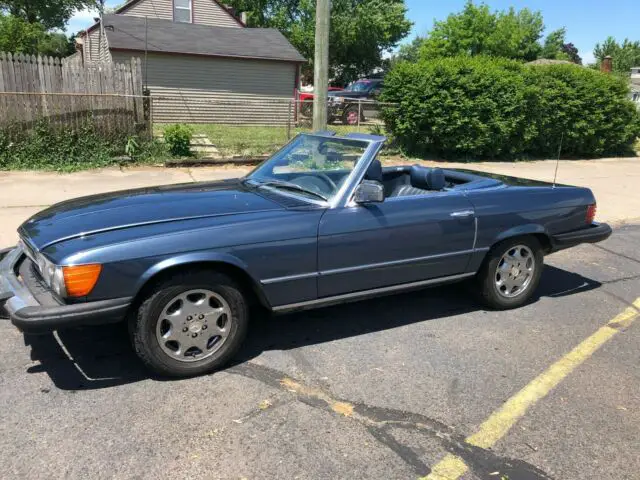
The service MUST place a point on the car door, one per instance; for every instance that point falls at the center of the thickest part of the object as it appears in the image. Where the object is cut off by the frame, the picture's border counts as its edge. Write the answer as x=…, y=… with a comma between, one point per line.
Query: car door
x=402, y=240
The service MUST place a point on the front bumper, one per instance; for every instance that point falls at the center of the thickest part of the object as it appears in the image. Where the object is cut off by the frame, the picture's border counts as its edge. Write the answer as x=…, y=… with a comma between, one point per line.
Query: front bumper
x=594, y=233
x=34, y=309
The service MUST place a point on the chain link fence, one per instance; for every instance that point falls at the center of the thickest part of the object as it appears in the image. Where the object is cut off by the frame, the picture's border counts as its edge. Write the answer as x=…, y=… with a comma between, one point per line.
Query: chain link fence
x=253, y=127
x=223, y=128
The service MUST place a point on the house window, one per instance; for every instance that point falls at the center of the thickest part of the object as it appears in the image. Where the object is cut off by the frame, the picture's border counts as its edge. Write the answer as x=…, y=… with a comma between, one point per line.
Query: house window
x=182, y=11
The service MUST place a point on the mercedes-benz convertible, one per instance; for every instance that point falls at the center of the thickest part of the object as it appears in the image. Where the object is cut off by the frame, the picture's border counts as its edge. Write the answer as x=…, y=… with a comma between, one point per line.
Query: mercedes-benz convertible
x=321, y=222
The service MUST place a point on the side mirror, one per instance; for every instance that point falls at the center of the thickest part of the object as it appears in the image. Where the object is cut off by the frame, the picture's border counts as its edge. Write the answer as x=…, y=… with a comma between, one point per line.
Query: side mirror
x=369, y=191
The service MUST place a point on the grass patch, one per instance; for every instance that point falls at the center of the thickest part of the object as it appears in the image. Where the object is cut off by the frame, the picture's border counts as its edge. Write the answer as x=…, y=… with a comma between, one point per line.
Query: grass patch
x=251, y=141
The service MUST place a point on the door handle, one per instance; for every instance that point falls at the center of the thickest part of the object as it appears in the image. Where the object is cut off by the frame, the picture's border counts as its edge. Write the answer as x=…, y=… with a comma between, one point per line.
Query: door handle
x=463, y=214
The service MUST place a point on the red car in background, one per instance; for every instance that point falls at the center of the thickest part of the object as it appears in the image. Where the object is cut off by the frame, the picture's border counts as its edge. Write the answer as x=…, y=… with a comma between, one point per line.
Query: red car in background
x=306, y=101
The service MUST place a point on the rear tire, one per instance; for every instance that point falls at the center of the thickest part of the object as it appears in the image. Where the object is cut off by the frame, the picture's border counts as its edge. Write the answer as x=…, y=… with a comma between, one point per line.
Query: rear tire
x=190, y=324
x=511, y=273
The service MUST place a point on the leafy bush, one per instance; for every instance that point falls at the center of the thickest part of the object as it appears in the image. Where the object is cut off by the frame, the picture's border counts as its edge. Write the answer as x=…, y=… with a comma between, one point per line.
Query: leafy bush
x=484, y=107
x=588, y=110
x=463, y=106
x=52, y=147
x=178, y=139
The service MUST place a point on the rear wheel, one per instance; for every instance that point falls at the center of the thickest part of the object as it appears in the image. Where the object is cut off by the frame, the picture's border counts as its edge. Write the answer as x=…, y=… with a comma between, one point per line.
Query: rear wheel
x=511, y=273
x=190, y=324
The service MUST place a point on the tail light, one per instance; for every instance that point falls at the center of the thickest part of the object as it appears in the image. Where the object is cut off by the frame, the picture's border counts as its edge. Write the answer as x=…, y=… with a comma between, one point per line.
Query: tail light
x=591, y=213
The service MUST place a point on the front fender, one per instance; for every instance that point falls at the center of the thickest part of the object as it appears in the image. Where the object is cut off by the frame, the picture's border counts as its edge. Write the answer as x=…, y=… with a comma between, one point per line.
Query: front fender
x=193, y=258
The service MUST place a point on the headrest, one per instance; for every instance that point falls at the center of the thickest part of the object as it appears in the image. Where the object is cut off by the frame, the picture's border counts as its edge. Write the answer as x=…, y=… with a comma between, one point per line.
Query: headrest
x=374, y=172
x=427, y=178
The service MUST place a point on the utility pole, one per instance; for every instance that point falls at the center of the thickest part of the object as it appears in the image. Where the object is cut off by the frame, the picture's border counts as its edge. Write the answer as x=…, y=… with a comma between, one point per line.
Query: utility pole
x=321, y=65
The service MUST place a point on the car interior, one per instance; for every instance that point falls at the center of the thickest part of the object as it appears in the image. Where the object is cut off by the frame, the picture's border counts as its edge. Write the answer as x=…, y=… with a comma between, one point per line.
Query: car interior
x=408, y=181
x=404, y=181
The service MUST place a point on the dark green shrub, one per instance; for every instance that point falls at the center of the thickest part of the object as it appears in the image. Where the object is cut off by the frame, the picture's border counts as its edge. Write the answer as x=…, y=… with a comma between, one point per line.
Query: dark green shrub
x=178, y=139
x=54, y=147
x=458, y=106
x=50, y=147
x=483, y=107
x=586, y=109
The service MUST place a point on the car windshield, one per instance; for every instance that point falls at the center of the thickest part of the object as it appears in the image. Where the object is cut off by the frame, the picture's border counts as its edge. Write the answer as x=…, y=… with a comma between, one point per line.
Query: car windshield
x=359, y=87
x=311, y=166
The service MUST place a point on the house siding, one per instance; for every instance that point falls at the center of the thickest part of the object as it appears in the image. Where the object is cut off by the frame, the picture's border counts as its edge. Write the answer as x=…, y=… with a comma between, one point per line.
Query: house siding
x=204, y=12
x=162, y=9
x=207, y=12
x=96, y=47
x=195, y=89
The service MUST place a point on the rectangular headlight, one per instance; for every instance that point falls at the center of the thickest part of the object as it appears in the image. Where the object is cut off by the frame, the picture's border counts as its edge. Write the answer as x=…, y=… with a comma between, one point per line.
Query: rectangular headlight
x=46, y=268
x=51, y=274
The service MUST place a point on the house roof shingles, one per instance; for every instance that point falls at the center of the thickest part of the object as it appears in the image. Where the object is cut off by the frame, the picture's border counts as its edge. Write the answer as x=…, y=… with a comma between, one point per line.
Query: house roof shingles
x=128, y=33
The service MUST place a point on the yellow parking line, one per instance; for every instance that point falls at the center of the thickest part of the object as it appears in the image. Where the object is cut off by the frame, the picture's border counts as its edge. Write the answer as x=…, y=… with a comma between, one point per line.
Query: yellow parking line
x=498, y=424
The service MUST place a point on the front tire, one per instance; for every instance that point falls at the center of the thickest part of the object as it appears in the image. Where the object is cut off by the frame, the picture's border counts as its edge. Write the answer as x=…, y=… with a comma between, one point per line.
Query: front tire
x=190, y=324
x=511, y=273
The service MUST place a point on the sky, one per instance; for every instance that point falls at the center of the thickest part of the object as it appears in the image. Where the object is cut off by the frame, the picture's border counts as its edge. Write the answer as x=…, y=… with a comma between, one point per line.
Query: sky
x=587, y=21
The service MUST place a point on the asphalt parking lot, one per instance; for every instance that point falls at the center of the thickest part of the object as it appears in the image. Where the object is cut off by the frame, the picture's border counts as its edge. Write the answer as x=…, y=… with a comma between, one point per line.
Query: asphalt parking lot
x=382, y=389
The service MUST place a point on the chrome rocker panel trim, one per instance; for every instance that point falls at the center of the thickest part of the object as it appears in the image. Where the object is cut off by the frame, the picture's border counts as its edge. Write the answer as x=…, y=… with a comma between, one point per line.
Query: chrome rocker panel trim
x=355, y=296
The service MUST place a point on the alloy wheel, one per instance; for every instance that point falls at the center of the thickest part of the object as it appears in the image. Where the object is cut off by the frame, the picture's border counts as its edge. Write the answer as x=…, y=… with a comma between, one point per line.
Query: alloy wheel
x=515, y=271
x=194, y=325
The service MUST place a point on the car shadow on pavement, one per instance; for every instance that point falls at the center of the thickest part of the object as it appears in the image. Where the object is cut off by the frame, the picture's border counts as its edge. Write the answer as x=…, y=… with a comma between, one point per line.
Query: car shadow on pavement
x=102, y=357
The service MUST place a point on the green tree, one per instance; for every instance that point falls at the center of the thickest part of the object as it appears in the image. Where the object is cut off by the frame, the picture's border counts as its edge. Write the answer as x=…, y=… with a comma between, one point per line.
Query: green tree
x=410, y=52
x=361, y=30
x=571, y=51
x=19, y=36
x=553, y=44
x=56, y=44
x=625, y=55
x=478, y=31
x=48, y=13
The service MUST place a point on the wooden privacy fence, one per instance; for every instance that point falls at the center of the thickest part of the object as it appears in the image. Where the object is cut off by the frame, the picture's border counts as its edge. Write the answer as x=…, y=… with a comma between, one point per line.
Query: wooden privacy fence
x=65, y=93
x=28, y=73
x=108, y=114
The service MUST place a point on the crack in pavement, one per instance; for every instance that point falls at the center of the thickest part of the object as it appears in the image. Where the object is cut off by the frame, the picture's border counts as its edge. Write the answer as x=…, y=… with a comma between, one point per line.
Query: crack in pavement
x=617, y=254
x=619, y=280
x=407, y=454
x=620, y=299
x=379, y=420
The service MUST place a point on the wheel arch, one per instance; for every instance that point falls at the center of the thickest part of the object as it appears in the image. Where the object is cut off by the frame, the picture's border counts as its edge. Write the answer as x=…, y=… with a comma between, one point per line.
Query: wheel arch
x=223, y=263
x=536, y=231
x=530, y=230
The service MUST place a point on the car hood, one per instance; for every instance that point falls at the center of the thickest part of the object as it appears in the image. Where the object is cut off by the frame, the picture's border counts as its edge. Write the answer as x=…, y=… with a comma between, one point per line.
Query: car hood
x=134, y=208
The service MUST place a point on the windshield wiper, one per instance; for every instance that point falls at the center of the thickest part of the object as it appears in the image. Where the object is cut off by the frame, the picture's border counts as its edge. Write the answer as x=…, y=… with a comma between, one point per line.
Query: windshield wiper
x=291, y=186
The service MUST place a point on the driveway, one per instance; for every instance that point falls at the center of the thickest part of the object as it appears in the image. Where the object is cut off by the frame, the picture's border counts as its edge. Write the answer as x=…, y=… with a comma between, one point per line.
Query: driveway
x=421, y=384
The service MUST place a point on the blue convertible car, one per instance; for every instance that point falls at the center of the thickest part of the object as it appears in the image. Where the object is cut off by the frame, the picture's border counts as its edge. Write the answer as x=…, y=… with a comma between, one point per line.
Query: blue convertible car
x=321, y=222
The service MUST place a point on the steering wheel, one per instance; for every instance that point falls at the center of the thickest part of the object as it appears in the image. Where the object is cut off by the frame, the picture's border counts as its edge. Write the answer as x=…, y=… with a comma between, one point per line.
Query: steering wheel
x=317, y=182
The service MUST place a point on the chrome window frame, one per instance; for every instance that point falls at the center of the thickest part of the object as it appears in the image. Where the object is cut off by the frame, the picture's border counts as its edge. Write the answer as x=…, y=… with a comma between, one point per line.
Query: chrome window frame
x=346, y=191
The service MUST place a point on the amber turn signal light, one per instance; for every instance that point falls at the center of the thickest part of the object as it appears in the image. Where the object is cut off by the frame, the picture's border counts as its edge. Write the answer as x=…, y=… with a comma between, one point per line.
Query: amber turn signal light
x=79, y=280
